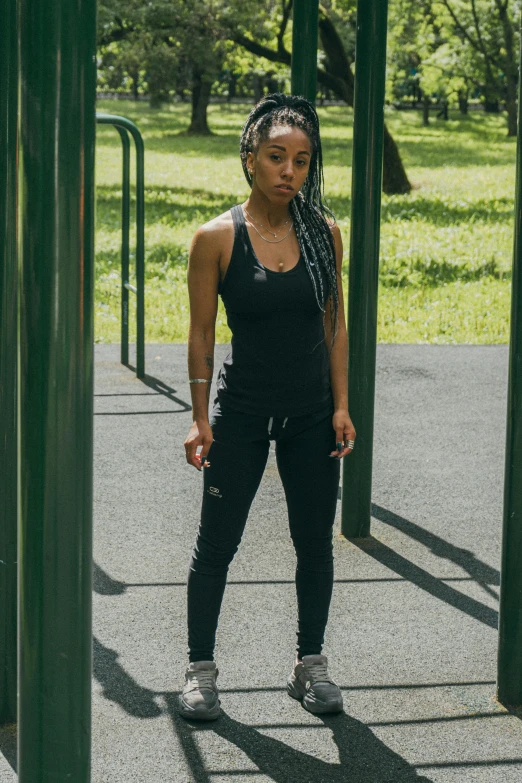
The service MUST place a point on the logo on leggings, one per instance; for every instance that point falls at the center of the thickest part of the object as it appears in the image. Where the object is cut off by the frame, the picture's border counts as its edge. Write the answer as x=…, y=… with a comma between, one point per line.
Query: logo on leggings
x=214, y=491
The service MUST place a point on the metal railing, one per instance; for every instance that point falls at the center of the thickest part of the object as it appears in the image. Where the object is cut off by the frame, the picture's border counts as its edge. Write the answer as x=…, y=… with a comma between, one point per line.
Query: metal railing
x=125, y=126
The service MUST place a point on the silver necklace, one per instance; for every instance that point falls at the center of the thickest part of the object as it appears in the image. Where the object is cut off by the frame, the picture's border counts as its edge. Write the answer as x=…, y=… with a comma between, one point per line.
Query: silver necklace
x=272, y=241
x=252, y=220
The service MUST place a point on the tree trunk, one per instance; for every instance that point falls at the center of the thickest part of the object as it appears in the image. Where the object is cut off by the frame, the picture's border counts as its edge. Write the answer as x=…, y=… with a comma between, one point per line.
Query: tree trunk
x=200, y=100
x=511, y=107
x=258, y=87
x=510, y=68
x=463, y=103
x=491, y=106
x=135, y=79
x=425, y=110
x=394, y=179
x=491, y=102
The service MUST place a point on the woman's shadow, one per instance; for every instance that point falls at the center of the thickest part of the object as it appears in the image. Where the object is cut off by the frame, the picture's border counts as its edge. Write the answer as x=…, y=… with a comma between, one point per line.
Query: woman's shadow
x=363, y=758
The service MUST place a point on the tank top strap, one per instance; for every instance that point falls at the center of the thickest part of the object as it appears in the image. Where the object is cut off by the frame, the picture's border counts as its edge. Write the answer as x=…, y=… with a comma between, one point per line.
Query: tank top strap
x=239, y=247
x=239, y=220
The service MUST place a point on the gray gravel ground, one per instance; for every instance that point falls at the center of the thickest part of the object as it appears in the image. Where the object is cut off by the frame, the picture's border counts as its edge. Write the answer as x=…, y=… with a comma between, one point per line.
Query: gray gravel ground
x=412, y=634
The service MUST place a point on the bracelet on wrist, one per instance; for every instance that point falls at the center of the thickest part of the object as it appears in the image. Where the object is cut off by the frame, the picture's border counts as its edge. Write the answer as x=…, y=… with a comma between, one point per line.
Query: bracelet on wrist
x=200, y=380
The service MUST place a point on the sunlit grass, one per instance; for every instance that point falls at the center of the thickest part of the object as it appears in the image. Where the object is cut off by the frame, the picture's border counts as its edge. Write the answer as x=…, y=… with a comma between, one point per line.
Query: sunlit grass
x=445, y=248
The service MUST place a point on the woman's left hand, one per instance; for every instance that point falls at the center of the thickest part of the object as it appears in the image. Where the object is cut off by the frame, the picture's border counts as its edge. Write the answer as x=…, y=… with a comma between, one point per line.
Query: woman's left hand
x=344, y=431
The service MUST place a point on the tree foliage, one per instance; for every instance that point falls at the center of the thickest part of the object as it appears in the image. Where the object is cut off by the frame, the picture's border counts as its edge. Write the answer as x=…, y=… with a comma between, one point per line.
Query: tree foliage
x=452, y=50
x=456, y=49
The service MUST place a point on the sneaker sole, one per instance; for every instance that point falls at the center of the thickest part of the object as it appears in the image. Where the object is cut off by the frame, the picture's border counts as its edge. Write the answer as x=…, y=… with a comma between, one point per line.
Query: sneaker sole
x=316, y=707
x=320, y=708
x=191, y=714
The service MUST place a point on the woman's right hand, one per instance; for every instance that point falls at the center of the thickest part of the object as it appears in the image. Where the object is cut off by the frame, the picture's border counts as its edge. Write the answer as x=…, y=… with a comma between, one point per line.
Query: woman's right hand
x=199, y=435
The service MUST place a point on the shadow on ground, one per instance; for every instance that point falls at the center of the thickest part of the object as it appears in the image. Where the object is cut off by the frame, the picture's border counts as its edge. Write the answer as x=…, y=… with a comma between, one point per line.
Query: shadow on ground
x=363, y=758
x=8, y=744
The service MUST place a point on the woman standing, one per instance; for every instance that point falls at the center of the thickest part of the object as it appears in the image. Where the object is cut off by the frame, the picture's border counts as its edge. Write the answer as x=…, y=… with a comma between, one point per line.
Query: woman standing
x=276, y=262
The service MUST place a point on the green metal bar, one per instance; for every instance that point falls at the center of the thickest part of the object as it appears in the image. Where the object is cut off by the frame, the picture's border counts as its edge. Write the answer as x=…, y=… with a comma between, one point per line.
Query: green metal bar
x=8, y=362
x=509, y=672
x=125, y=233
x=304, y=48
x=123, y=122
x=57, y=44
x=368, y=134
x=140, y=254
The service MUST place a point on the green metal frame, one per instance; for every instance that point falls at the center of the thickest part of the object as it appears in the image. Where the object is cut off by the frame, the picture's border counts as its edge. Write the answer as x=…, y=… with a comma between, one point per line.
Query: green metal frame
x=125, y=126
x=304, y=48
x=509, y=673
x=57, y=129
x=365, y=227
x=55, y=321
x=8, y=364
x=368, y=133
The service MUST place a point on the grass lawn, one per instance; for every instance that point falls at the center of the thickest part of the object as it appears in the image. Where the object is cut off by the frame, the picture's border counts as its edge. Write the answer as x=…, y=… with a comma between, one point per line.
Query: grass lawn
x=445, y=248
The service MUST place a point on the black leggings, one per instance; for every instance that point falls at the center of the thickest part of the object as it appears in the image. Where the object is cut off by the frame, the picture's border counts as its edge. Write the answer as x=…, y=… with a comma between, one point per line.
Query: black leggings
x=310, y=481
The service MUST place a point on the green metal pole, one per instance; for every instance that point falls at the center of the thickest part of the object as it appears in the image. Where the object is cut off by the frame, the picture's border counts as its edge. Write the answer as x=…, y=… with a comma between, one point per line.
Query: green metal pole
x=370, y=62
x=139, y=289
x=56, y=212
x=125, y=232
x=304, y=48
x=8, y=362
x=509, y=673
x=140, y=254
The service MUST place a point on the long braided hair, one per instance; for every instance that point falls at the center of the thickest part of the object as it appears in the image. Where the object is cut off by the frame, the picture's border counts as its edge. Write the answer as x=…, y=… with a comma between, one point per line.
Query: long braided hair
x=307, y=208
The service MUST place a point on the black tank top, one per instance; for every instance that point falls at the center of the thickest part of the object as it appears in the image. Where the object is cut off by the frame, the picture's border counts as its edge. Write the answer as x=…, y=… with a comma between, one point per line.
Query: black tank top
x=279, y=363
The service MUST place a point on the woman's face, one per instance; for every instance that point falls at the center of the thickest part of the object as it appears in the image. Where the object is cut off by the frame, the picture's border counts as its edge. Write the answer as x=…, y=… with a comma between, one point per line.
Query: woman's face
x=281, y=163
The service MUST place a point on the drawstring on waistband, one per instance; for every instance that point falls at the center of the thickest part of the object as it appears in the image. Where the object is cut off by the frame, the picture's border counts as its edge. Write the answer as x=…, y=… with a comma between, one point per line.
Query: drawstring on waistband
x=271, y=422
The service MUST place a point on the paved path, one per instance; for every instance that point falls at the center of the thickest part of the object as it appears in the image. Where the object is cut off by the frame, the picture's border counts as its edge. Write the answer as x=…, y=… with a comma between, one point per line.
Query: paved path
x=412, y=634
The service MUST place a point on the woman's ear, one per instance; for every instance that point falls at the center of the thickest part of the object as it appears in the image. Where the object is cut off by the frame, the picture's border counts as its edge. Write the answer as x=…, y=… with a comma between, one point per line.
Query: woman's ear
x=250, y=163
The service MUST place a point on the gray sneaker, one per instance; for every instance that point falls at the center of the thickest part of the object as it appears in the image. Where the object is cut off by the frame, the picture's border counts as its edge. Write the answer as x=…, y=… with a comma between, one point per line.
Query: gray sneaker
x=200, y=700
x=311, y=684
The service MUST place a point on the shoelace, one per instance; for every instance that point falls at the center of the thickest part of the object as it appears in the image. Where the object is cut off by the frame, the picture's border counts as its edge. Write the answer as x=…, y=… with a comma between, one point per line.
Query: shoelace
x=317, y=672
x=202, y=678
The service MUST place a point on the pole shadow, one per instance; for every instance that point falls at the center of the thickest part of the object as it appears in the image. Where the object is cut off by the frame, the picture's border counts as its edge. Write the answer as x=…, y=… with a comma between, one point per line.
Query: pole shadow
x=480, y=572
x=426, y=581
x=160, y=387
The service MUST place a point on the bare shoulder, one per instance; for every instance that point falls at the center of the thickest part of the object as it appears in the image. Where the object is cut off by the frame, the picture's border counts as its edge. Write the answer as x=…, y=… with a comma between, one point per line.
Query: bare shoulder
x=334, y=228
x=215, y=235
x=336, y=233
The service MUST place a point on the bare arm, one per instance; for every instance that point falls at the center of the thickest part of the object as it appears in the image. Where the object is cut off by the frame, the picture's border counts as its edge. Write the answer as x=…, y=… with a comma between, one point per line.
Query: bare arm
x=339, y=352
x=203, y=281
x=341, y=421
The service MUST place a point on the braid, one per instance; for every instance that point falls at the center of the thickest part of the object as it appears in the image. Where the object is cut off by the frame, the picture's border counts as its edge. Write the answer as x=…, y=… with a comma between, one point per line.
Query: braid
x=307, y=208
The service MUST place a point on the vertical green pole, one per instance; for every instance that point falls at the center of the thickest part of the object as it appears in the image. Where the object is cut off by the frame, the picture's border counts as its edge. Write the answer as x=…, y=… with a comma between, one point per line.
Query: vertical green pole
x=304, y=48
x=8, y=362
x=140, y=253
x=370, y=62
x=509, y=672
x=125, y=227
x=56, y=181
